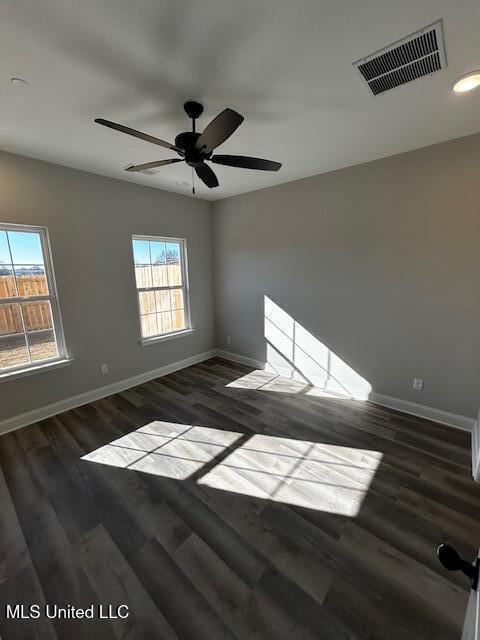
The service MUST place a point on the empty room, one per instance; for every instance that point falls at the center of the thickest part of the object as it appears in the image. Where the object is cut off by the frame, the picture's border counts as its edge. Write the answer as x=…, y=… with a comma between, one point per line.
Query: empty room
x=239, y=309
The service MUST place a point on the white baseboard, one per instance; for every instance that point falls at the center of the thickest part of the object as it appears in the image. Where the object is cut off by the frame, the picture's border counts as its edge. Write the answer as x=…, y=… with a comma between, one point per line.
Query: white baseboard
x=24, y=419
x=412, y=408
x=424, y=411
x=405, y=406
x=476, y=449
x=235, y=357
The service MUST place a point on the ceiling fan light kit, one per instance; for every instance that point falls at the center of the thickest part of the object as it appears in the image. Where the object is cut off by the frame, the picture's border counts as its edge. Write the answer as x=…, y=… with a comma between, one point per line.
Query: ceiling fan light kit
x=196, y=148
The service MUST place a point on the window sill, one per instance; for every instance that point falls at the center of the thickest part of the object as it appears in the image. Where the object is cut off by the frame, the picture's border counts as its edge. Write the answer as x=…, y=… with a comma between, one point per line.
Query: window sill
x=22, y=373
x=145, y=342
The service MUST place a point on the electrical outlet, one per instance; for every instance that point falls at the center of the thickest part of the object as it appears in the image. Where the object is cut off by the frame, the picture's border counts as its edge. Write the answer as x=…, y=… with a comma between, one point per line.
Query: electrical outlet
x=104, y=369
x=229, y=340
x=417, y=384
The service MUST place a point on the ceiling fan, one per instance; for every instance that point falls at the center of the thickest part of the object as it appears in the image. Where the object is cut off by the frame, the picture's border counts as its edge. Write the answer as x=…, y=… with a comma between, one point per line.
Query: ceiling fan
x=195, y=148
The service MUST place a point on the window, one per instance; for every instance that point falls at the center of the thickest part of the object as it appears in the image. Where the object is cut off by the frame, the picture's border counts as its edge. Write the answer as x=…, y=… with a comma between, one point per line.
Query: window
x=162, y=285
x=30, y=325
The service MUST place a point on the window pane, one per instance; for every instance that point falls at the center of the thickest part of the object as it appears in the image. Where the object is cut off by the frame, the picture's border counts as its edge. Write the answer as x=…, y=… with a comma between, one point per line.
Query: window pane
x=27, y=332
x=177, y=298
x=7, y=282
x=37, y=315
x=4, y=251
x=26, y=247
x=159, y=268
x=10, y=318
x=178, y=317
x=164, y=322
x=160, y=275
x=173, y=261
x=146, y=301
x=174, y=275
x=163, y=300
x=143, y=275
x=141, y=252
x=42, y=345
x=149, y=325
x=157, y=251
x=13, y=351
x=143, y=270
x=31, y=280
x=173, y=253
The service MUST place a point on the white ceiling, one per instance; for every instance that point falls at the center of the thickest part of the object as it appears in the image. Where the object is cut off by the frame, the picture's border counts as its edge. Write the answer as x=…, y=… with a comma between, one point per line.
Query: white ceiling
x=283, y=64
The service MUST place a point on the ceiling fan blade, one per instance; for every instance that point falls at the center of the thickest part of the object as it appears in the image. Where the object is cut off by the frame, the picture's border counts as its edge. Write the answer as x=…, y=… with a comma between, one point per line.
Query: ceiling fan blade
x=247, y=162
x=152, y=165
x=138, y=134
x=207, y=175
x=219, y=129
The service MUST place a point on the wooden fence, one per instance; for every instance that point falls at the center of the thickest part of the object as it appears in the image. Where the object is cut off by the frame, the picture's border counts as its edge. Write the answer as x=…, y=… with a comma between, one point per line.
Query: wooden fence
x=160, y=311
x=36, y=314
x=158, y=275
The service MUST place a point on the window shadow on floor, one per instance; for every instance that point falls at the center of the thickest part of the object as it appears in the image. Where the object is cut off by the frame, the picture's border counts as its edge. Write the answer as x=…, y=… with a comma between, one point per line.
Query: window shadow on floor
x=349, y=499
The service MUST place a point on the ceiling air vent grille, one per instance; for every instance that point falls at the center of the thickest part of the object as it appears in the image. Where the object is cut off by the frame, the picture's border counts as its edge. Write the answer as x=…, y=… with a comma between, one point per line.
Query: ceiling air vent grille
x=146, y=172
x=418, y=55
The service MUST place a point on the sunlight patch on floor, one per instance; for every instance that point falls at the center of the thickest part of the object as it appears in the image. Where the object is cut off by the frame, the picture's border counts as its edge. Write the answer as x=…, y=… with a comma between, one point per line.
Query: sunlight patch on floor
x=166, y=449
x=264, y=380
x=313, y=475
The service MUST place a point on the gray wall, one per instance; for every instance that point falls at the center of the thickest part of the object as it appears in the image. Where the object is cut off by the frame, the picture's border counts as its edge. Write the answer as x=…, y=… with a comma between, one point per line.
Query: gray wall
x=91, y=220
x=380, y=262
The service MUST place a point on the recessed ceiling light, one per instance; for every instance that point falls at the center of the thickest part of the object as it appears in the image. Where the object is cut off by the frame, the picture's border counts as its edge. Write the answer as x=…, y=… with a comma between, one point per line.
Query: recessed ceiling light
x=18, y=82
x=181, y=183
x=467, y=82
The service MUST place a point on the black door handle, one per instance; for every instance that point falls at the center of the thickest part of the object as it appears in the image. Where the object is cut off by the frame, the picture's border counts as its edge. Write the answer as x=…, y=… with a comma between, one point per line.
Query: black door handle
x=450, y=559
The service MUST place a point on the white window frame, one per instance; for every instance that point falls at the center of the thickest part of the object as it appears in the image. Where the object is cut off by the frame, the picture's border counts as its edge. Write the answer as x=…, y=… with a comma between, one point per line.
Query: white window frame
x=52, y=297
x=185, y=288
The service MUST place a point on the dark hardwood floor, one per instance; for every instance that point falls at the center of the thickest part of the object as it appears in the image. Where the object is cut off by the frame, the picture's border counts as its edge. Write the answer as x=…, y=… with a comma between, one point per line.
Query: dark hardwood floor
x=221, y=504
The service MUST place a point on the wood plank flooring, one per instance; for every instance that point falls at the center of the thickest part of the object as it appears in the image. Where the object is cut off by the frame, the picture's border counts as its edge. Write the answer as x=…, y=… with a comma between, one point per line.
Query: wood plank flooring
x=219, y=503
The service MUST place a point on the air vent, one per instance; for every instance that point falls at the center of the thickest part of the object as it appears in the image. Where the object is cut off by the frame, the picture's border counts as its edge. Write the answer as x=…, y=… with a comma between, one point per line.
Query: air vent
x=415, y=56
x=146, y=172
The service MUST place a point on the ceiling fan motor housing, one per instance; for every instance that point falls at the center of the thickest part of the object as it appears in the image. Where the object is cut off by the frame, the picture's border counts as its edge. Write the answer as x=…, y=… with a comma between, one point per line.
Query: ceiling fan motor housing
x=193, y=157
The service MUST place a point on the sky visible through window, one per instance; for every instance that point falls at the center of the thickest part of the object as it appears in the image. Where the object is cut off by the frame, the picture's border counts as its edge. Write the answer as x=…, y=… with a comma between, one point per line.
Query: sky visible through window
x=25, y=246
x=154, y=252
